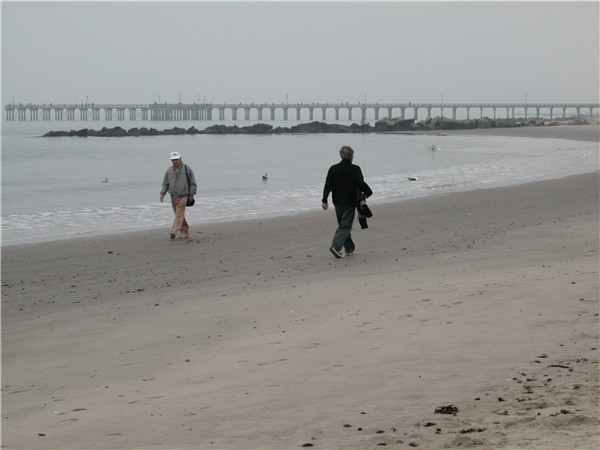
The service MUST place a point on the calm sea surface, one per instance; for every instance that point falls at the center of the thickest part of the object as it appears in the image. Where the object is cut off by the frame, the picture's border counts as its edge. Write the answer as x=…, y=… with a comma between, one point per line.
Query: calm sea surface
x=52, y=188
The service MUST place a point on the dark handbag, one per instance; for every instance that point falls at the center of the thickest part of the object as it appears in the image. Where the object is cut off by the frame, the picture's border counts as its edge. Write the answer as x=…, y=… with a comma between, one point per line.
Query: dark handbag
x=190, y=201
x=365, y=209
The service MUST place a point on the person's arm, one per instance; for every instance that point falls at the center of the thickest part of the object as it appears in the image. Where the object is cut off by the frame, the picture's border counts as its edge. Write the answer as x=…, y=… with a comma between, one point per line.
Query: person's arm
x=366, y=190
x=326, y=191
x=362, y=185
x=165, y=186
x=193, y=186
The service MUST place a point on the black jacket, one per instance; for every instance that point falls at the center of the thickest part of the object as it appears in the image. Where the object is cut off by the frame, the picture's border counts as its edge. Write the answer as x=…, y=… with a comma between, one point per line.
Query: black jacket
x=343, y=180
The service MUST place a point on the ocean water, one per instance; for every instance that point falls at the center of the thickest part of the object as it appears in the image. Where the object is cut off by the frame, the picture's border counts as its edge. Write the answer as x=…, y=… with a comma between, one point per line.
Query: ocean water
x=52, y=188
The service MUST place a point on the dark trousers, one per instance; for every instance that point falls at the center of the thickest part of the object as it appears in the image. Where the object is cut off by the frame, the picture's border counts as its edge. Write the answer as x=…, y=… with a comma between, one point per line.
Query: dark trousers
x=343, y=236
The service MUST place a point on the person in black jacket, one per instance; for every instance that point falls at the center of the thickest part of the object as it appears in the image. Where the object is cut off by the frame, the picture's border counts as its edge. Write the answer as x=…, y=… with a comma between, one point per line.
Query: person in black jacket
x=345, y=182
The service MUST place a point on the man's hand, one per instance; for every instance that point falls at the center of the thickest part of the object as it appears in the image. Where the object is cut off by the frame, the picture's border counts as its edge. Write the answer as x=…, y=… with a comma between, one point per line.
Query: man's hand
x=325, y=206
x=162, y=198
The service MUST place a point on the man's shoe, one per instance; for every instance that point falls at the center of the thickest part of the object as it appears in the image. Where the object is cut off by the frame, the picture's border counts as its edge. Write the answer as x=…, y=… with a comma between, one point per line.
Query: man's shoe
x=184, y=236
x=336, y=253
x=172, y=235
x=349, y=253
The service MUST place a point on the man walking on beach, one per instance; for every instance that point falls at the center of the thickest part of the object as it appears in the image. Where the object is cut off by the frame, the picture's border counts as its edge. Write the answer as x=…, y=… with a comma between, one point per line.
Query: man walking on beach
x=180, y=182
x=345, y=181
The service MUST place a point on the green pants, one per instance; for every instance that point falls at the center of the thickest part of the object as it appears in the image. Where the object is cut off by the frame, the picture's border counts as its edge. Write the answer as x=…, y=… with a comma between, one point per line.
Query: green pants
x=342, y=236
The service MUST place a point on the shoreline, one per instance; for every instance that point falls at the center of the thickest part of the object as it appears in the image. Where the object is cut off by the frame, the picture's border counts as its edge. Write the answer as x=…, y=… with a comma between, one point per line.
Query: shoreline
x=153, y=231
x=587, y=133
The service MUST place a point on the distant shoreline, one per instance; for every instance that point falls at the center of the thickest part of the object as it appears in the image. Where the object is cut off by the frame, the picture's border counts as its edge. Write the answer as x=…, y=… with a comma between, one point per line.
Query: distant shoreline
x=589, y=132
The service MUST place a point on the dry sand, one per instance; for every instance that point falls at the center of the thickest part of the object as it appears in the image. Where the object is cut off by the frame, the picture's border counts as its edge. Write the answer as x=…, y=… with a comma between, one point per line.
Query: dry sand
x=589, y=132
x=251, y=335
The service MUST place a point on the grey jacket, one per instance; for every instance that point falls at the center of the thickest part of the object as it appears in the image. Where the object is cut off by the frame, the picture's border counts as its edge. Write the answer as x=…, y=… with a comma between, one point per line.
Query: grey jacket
x=175, y=182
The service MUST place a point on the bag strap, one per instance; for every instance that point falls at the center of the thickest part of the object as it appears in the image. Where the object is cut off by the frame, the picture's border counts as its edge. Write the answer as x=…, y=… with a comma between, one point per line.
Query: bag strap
x=187, y=175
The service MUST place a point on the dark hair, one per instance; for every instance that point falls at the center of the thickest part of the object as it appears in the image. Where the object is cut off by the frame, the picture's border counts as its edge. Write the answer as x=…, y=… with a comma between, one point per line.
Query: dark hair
x=346, y=152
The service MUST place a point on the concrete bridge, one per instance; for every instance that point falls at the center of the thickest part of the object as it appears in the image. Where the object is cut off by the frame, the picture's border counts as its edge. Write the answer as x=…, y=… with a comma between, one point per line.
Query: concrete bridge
x=287, y=111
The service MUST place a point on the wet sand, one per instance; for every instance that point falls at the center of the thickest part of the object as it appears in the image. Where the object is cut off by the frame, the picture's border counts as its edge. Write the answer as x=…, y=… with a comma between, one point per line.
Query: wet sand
x=250, y=335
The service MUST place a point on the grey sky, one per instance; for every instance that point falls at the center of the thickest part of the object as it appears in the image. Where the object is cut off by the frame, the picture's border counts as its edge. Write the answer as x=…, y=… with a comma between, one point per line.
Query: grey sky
x=116, y=52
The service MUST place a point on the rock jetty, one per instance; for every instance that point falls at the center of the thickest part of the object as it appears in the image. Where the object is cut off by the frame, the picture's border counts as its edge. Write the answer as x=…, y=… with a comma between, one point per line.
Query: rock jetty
x=381, y=126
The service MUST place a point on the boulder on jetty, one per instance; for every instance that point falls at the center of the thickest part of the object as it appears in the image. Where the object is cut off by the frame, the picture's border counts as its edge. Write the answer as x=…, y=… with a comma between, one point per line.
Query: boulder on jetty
x=314, y=127
x=222, y=129
x=320, y=127
x=85, y=132
x=394, y=124
x=192, y=130
x=108, y=132
x=174, y=131
x=259, y=128
x=57, y=134
x=445, y=123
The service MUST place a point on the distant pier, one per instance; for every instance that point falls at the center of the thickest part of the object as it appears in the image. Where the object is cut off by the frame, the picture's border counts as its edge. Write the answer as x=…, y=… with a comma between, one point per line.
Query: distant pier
x=287, y=111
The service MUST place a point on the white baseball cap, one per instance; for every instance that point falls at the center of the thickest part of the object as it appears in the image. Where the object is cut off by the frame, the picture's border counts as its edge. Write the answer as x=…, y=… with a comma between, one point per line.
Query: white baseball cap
x=175, y=155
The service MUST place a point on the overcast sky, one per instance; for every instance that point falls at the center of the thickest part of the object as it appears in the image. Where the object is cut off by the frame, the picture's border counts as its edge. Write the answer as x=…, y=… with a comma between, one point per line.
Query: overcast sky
x=116, y=52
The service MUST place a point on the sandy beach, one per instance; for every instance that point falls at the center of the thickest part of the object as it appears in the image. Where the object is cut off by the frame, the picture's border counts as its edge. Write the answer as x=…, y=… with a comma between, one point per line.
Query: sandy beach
x=463, y=320
x=590, y=132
